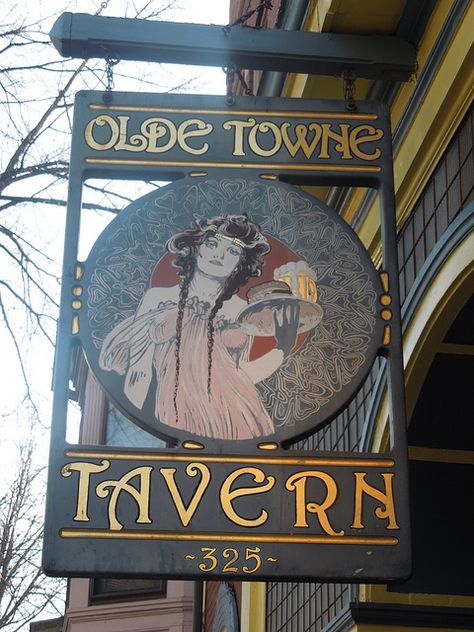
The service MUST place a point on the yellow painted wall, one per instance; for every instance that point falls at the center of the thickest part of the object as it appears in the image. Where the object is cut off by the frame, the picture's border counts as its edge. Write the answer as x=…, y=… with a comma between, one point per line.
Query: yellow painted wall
x=447, y=100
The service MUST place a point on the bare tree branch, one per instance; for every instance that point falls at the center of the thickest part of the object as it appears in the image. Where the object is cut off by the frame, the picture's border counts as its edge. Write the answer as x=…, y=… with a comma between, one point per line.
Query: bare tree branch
x=36, y=97
x=24, y=592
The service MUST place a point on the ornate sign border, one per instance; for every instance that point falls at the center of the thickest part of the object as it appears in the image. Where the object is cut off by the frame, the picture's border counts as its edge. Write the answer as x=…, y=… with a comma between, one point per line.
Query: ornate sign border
x=342, y=330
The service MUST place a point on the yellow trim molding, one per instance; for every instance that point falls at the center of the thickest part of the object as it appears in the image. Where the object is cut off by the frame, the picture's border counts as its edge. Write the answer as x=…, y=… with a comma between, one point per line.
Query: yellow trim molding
x=253, y=606
x=422, y=339
x=450, y=95
x=379, y=594
x=397, y=628
x=439, y=306
x=436, y=455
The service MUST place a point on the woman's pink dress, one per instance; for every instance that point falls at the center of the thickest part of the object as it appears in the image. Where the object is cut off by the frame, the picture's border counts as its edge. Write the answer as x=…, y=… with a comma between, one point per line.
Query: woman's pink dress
x=232, y=409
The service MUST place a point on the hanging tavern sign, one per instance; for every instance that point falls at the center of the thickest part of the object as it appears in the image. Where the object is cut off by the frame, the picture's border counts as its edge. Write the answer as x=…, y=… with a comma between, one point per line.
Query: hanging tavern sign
x=230, y=313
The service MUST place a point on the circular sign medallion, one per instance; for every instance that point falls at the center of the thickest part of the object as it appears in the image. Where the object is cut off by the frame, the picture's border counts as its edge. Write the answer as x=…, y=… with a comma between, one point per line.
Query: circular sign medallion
x=230, y=309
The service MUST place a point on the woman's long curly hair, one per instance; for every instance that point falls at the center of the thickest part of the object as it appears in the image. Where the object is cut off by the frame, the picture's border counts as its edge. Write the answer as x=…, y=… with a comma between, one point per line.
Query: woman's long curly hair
x=186, y=246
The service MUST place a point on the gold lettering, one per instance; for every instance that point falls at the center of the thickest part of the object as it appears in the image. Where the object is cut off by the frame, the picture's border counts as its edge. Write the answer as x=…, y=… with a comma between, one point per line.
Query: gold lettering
x=234, y=556
x=239, y=134
x=154, y=129
x=227, y=495
x=101, y=121
x=342, y=140
x=252, y=554
x=203, y=129
x=265, y=127
x=372, y=135
x=186, y=513
x=385, y=498
x=136, y=142
x=297, y=482
x=265, y=138
x=208, y=555
x=85, y=470
x=301, y=132
x=141, y=496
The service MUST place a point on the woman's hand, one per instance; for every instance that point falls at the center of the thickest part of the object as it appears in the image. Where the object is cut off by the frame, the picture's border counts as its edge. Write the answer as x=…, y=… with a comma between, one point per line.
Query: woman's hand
x=286, y=319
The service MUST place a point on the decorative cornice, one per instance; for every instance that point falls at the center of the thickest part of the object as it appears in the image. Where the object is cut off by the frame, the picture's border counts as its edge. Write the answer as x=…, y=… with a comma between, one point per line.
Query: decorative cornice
x=136, y=610
x=419, y=95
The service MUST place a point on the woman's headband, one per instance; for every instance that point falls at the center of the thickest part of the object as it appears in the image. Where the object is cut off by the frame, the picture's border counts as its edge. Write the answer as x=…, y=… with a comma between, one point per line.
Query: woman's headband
x=234, y=240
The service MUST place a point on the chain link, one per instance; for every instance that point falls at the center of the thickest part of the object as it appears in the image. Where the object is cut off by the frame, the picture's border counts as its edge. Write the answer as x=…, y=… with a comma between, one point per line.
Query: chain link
x=264, y=4
x=230, y=74
x=229, y=79
x=349, y=90
x=103, y=5
x=229, y=83
x=231, y=71
x=109, y=71
x=245, y=85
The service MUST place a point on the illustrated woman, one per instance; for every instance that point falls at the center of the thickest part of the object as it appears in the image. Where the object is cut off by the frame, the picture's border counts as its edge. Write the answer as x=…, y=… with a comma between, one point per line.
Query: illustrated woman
x=189, y=336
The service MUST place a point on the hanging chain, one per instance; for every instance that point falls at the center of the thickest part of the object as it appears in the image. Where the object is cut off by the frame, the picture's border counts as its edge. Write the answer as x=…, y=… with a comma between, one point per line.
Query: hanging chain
x=241, y=78
x=349, y=90
x=109, y=72
x=231, y=71
x=264, y=4
x=110, y=62
x=229, y=80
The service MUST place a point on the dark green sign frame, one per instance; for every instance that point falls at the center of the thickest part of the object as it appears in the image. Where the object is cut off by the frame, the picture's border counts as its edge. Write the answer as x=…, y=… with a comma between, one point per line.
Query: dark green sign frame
x=217, y=506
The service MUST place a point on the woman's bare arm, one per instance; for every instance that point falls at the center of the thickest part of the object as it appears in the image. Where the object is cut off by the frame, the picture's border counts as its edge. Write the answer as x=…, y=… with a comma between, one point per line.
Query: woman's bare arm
x=139, y=374
x=263, y=367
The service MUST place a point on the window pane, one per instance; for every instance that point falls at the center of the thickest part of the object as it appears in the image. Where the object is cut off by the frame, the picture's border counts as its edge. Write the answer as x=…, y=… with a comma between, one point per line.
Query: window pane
x=120, y=431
